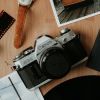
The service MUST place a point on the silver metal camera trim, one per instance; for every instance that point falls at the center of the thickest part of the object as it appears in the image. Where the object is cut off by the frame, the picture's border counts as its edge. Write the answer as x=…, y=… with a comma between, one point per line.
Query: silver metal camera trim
x=26, y=60
x=66, y=37
x=47, y=43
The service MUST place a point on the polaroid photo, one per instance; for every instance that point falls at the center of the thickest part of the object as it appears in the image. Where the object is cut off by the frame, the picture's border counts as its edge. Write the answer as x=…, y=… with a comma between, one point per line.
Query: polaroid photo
x=69, y=11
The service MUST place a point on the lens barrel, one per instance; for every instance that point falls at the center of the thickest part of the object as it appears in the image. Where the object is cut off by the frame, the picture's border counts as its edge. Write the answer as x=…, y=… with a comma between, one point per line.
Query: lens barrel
x=54, y=63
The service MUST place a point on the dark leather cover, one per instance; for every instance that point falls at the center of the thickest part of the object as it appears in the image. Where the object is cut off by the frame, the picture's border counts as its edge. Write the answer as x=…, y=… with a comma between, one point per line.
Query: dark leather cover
x=81, y=88
x=94, y=58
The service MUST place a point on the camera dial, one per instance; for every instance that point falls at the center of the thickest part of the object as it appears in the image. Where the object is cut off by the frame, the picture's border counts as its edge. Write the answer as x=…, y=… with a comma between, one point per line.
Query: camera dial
x=64, y=31
x=54, y=63
x=23, y=54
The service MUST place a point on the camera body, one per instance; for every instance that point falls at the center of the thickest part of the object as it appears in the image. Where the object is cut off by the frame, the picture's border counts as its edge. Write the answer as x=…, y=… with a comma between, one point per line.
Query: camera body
x=50, y=59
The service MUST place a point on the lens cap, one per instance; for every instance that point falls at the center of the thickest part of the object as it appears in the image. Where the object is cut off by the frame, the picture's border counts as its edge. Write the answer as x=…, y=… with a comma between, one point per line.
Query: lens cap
x=54, y=63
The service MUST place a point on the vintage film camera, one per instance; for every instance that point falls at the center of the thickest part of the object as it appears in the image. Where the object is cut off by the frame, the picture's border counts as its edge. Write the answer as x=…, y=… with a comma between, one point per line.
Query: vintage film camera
x=50, y=59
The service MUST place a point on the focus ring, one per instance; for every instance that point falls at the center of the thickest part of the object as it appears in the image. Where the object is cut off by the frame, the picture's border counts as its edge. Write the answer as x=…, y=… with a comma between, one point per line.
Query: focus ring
x=54, y=63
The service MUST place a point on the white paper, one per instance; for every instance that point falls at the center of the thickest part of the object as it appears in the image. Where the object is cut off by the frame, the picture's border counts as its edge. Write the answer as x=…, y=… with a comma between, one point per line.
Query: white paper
x=7, y=92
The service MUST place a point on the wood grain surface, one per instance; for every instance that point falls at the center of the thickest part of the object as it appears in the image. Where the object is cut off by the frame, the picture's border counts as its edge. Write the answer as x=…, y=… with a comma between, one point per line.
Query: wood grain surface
x=40, y=20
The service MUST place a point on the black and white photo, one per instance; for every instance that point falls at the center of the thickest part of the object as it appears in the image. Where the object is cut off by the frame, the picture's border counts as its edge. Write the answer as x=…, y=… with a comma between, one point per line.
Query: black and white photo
x=69, y=11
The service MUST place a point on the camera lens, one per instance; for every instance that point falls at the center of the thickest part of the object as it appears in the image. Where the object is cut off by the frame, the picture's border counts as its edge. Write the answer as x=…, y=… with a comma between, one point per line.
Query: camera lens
x=54, y=63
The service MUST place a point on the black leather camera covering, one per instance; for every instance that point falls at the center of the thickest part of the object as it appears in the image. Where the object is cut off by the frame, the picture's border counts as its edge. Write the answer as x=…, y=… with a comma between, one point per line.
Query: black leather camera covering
x=94, y=58
x=75, y=50
x=31, y=75
x=80, y=88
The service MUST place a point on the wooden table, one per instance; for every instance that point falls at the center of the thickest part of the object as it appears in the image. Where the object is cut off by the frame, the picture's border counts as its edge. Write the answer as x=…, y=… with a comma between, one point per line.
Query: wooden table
x=40, y=20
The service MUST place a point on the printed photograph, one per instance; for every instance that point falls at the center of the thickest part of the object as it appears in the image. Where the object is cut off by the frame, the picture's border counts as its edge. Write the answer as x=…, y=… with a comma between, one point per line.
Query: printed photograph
x=69, y=11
